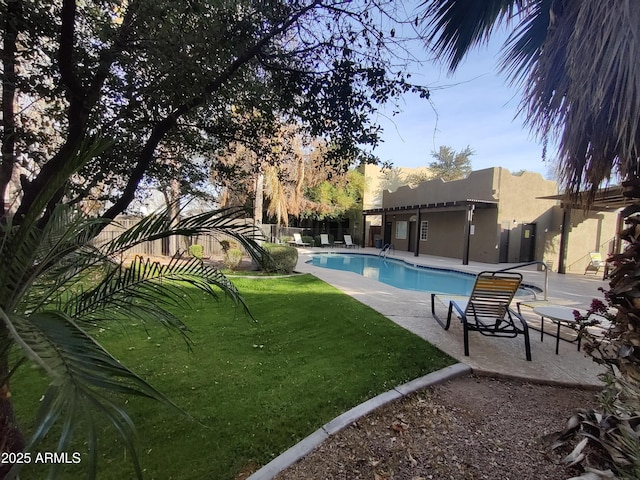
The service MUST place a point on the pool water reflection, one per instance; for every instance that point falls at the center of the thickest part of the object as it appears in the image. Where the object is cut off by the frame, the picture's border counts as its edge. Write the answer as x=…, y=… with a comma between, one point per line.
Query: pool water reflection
x=398, y=273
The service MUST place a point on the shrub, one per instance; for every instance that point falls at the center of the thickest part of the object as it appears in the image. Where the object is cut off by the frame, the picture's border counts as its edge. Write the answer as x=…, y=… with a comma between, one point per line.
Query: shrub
x=280, y=259
x=286, y=239
x=308, y=240
x=227, y=245
x=232, y=258
x=196, y=251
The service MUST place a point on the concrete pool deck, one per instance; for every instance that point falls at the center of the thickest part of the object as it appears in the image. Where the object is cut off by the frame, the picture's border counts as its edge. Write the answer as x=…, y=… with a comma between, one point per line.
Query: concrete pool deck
x=503, y=357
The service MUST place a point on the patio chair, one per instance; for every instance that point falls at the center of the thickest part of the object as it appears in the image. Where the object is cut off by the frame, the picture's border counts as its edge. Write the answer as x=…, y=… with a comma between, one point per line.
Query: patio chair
x=297, y=241
x=324, y=240
x=348, y=242
x=487, y=310
x=595, y=263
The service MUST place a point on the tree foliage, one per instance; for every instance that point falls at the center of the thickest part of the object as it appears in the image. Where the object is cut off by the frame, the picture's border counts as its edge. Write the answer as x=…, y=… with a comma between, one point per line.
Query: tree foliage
x=577, y=62
x=577, y=65
x=336, y=198
x=145, y=73
x=99, y=97
x=449, y=164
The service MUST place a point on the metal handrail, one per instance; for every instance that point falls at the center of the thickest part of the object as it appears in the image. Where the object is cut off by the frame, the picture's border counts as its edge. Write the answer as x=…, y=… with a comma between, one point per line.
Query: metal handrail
x=385, y=250
x=536, y=262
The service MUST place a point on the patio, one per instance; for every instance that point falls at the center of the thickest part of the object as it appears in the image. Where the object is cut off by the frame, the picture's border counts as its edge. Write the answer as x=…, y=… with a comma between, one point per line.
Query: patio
x=489, y=356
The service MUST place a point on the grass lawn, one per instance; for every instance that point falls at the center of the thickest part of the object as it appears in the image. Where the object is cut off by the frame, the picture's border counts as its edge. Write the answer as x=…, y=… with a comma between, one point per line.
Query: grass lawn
x=253, y=388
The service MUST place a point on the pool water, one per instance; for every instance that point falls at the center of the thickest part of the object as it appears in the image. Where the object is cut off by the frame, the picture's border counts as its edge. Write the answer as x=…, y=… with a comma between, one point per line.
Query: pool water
x=398, y=273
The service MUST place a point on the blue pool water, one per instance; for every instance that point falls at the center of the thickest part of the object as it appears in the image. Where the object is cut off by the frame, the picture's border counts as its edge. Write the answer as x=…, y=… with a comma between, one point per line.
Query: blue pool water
x=398, y=273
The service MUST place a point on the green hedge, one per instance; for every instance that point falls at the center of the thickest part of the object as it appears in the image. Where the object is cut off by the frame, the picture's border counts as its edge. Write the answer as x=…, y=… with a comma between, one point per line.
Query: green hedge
x=281, y=259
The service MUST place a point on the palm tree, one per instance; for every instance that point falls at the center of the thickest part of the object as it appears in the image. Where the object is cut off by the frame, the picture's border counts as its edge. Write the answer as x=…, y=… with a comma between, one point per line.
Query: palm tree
x=577, y=63
x=58, y=285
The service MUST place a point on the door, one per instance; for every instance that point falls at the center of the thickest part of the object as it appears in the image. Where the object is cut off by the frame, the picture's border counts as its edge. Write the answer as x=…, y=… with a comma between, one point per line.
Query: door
x=528, y=242
x=387, y=232
x=412, y=237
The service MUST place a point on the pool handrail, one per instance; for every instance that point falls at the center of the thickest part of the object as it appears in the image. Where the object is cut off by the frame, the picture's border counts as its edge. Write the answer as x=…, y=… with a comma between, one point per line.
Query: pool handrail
x=385, y=250
x=535, y=262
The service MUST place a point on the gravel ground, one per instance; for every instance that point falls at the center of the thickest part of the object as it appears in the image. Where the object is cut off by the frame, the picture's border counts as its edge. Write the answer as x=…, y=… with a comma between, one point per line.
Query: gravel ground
x=467, y=428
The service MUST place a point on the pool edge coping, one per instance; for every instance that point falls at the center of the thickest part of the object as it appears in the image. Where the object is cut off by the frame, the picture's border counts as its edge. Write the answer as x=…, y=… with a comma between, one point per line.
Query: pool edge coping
x=535, y=288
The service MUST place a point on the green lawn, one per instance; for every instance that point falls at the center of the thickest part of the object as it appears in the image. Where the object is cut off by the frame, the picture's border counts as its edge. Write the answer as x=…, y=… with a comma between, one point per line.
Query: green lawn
x=252, y=388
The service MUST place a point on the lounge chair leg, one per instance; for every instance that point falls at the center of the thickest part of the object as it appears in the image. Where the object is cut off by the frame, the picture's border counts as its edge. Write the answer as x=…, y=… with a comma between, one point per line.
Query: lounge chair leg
x=525, y=332
x=466, y=340
x=446, y=324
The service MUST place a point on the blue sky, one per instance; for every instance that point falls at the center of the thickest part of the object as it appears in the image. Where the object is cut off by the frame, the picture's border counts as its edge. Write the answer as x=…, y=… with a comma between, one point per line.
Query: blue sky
x=475, y=107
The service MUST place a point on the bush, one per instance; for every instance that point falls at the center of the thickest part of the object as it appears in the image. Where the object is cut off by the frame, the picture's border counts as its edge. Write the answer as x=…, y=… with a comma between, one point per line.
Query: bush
x=233, y=258
x=281, y=258
x=227, y=245
x=308, y=240
x=196, y=251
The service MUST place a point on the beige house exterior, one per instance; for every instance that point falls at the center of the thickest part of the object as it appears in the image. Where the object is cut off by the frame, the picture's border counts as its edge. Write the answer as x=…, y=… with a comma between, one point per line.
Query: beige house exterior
x=493, y=216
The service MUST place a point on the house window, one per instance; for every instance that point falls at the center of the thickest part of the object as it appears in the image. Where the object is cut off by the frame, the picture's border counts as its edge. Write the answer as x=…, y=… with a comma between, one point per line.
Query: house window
x=401, y=230
x=424, y=230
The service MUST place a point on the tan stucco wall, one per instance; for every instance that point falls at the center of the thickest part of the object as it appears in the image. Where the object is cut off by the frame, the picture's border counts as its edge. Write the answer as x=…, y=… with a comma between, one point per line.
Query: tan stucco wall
x=518, y=204
x=478, y=185
x=483, y=244
x=446, y=234
x=373, y=178
x=589, y=232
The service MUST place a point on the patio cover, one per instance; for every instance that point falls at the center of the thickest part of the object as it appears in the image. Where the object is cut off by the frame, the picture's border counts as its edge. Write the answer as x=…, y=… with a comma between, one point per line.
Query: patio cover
x=468, y=204
x=607, y=199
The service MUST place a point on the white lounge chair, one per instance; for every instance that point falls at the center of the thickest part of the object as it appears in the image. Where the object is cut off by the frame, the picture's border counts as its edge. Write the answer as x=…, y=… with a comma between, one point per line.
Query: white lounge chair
x=348, y=242
x=324, y=240
x=297, y=241
x=595, y=263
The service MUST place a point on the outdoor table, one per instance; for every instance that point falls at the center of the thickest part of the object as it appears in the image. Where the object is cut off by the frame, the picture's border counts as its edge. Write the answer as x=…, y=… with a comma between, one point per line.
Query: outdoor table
x=559, y=315
x=338, y=244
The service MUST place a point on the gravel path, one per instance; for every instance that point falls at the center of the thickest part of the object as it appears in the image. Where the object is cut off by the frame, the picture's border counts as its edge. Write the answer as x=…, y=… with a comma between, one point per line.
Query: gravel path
x=467, y=428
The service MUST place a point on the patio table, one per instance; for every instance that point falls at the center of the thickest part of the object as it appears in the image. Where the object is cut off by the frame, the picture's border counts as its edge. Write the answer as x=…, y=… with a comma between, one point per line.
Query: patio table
x=559, y=315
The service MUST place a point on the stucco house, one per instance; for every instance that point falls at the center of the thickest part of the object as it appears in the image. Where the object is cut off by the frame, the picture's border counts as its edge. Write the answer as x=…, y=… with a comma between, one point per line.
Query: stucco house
x=493, y=216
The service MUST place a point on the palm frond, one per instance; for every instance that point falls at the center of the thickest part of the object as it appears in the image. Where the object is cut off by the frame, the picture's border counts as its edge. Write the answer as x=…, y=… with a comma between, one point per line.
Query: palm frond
x=586, y=90
x=453, y=27
x=146, y=289
x=85, y=377
x=163, y=224
x=524, y=46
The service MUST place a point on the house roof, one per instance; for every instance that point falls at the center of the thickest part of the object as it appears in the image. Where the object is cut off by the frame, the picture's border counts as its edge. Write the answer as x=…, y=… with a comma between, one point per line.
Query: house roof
x=606, y=199
x=451, y=205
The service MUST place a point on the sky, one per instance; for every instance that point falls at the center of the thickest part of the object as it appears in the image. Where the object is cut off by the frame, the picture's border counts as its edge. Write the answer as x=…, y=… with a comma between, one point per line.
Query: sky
x=474, y=107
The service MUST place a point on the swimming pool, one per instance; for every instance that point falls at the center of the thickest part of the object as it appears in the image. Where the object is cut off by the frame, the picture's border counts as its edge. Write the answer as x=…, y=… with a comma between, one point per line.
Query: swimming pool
x=398, y=273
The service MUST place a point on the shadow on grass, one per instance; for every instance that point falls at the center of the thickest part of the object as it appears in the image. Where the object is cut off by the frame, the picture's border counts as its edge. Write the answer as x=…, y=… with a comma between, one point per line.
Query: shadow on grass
x=254, y=387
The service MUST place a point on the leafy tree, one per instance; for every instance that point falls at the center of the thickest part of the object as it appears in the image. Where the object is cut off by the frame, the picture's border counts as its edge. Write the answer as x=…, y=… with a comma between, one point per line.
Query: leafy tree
x=577, y=64
x=336, y=198
x=451, y=165
x=147, y=76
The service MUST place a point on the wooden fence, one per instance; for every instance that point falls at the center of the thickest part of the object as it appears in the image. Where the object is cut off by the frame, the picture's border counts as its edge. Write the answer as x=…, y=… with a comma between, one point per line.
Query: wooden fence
x=156, y=248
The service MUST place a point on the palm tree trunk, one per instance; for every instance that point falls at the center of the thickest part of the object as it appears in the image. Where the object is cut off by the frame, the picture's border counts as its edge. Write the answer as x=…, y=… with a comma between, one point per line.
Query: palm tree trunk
x=258, y=202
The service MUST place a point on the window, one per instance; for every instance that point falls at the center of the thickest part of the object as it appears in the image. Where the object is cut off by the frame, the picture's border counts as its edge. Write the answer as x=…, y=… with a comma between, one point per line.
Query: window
x=424, y=230
x=401, y=230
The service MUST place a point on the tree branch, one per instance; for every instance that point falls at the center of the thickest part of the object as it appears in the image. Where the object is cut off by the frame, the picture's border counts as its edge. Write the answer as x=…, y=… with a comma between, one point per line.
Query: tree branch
x=165, y=125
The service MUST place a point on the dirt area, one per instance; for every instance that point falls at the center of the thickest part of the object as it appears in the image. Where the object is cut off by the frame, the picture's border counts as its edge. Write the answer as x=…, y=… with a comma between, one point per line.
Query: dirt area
x=467, y=428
